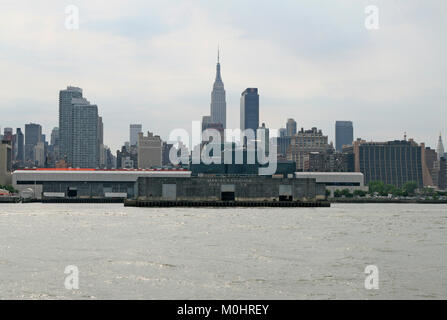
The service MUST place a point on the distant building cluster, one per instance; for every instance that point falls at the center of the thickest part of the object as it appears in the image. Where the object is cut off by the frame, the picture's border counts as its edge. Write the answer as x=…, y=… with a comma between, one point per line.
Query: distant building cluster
x=78, y=142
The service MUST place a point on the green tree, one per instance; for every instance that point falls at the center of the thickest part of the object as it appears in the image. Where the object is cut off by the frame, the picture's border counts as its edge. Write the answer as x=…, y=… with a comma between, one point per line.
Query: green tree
x=376, y=186
x=359, y=193
x=9, y=188
x=346, y=193
x=410, y=187
x=390, y=189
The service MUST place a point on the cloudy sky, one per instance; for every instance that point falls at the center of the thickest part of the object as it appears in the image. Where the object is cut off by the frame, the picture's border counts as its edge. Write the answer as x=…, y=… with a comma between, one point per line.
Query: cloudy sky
x=153, y=62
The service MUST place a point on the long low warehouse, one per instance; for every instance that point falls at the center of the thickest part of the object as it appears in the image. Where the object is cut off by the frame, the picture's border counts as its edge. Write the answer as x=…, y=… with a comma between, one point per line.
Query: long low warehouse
x=96, y=183
x=336, y=180
x=84, y=183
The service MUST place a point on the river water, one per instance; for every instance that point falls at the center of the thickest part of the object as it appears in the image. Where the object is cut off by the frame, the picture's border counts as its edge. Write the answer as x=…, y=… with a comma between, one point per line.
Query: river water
x=234, y=253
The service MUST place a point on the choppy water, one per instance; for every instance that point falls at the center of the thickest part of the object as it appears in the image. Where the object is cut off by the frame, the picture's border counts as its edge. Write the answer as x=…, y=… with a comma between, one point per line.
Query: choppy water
x=183, y=253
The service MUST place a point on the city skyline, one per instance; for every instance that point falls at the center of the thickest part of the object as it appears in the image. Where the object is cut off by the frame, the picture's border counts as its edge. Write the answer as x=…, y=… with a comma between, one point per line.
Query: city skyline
x=229, y=159
x=163, y=68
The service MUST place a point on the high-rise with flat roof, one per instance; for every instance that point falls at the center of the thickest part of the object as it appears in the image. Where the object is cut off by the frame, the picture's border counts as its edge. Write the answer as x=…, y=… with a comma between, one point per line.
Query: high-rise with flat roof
x=135, y=129
x=249, y=112
x=78, y=129
x=344, y=134
x=33, y=135
x=66, y=121
x=291, y=127
x=250, y=109
x=101, y=147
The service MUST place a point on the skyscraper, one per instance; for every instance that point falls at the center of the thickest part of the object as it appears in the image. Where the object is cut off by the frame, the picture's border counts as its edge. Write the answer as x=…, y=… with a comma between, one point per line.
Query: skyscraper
x=33, y=135
x=218, y=102
x=20, y=145
x=250, y=109
x=283, y=143
x=8, y=135
x=101, y=150
x=282, y=132
x=78, y=129
x=344, y=134
x=66, y=121
x=291, y=127
x=135, y=129
x=39, y=154
x=54, y=139
x=440, y=148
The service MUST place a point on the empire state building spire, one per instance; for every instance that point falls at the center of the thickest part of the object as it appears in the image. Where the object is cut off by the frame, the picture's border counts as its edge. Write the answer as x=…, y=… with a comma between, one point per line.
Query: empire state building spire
x=218, y=102
x=440, y=149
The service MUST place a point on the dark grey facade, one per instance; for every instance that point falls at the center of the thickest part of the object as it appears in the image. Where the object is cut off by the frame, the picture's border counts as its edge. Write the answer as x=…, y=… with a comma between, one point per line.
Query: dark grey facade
x=230, y=188
x=344, y=134
x=20, y=146
x=65, y=120
x=85, y=152
x=442, y=179
x=392, y=162
x=166, y=148
x=79, y=130
x=283, y=144
x=250, y=109
x=33, y=135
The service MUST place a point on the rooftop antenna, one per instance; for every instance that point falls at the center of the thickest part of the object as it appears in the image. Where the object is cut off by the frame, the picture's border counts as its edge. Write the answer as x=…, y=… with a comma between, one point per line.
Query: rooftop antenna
x=218, y=54
x=405, y=136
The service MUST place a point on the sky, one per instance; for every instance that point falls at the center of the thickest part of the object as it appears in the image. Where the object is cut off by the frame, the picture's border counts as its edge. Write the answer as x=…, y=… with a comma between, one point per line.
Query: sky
x=153, y=62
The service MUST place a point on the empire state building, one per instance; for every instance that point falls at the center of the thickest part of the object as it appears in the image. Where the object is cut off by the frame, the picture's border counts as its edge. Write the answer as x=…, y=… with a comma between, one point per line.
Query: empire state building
x=218, y=103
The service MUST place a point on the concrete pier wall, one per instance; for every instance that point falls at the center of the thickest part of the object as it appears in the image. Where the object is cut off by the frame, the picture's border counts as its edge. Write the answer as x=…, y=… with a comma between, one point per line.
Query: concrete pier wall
x=228, y=188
